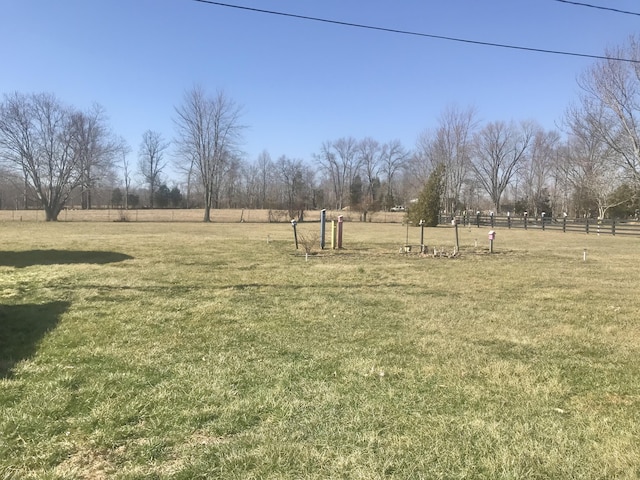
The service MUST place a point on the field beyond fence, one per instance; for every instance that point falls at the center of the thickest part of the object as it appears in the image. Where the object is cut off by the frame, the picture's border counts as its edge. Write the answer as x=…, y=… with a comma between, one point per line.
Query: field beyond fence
x=194, y=215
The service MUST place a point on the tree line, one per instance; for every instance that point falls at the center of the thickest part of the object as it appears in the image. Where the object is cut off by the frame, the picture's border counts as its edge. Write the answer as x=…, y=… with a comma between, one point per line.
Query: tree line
x=54, y=156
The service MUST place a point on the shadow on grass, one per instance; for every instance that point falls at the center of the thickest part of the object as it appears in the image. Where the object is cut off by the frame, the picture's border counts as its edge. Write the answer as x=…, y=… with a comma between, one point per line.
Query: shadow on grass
x=21, y=329
x=58, y=257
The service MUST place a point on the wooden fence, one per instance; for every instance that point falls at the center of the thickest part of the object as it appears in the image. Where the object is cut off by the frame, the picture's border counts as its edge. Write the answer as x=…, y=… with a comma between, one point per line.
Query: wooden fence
x=563, y=224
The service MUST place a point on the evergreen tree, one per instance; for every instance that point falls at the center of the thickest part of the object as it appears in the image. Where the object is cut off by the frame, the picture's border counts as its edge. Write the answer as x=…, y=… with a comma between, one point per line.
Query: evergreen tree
x=427, y=207
x=116, y=197
x=162, y=196
x=175, y=197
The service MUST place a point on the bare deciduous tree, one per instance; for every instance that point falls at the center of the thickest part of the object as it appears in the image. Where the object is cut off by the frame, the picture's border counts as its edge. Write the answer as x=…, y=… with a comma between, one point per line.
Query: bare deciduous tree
x=264, y=167
x=591, y=165
x=126, y=173
x=39, y=136
x=423, y=160
x=186, y=166
x=393, y=158
x=536, y=170
x=499, y=150
x=293, y=188
x=370, y=153
x=229, y=190
x=97, y=150
x=151, y=160
x=208, y=133
x=341, y=163
x=452, y=148
x=610, y=103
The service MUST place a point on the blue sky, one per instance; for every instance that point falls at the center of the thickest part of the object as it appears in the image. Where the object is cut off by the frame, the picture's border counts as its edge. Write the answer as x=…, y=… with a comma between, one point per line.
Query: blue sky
x=300, y=82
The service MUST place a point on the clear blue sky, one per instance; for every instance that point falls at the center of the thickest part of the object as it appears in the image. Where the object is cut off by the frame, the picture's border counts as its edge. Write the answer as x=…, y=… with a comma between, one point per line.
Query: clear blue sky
x=302, y=82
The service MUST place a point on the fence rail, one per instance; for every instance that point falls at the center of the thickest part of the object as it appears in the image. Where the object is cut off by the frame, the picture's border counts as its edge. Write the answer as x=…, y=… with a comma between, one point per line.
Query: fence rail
x=563, y=224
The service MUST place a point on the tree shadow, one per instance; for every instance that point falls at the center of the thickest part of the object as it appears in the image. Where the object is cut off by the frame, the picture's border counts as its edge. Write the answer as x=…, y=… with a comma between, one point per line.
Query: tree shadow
x=59, y=257
x=21, y=329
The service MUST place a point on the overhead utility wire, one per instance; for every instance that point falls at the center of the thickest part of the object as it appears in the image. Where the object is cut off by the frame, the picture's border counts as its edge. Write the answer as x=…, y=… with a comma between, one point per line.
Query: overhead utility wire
x=418, y=34
x=610, y=9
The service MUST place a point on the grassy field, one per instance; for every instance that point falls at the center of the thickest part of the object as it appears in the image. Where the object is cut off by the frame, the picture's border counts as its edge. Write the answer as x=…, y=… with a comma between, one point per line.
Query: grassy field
x=186, y=350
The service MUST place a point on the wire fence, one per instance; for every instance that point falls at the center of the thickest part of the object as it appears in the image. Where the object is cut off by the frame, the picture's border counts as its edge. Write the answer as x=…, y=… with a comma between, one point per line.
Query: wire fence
x=229, y=215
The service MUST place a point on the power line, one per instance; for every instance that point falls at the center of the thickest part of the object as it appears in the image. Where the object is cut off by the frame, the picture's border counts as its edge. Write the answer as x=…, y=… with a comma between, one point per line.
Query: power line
x=418, y=34
x=610, y=9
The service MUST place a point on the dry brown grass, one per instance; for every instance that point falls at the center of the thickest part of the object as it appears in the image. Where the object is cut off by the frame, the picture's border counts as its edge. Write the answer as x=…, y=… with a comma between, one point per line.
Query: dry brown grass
x=216, y=351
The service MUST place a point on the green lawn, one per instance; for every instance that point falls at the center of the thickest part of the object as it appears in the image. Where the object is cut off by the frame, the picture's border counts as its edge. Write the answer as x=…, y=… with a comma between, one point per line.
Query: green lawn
x=185, y=351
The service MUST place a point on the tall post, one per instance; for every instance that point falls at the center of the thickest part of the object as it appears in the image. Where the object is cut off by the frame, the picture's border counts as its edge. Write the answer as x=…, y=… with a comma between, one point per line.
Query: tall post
x=295, y=232
x=492, y=236
x=526, y=218
x=421, y=236
x=406, y=242
x=333, y=234
x=478, y=218
x=509, y=220
x=323, y=222
x=542, y=217
x=340, y=221
x=455, y=224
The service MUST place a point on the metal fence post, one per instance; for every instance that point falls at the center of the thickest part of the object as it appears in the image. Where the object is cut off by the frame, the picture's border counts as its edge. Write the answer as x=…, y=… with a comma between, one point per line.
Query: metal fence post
x=295, y=232
x=323, y=221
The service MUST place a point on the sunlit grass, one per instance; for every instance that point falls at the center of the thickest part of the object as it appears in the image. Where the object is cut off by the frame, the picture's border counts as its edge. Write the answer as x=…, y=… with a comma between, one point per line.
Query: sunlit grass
x=218, y=351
